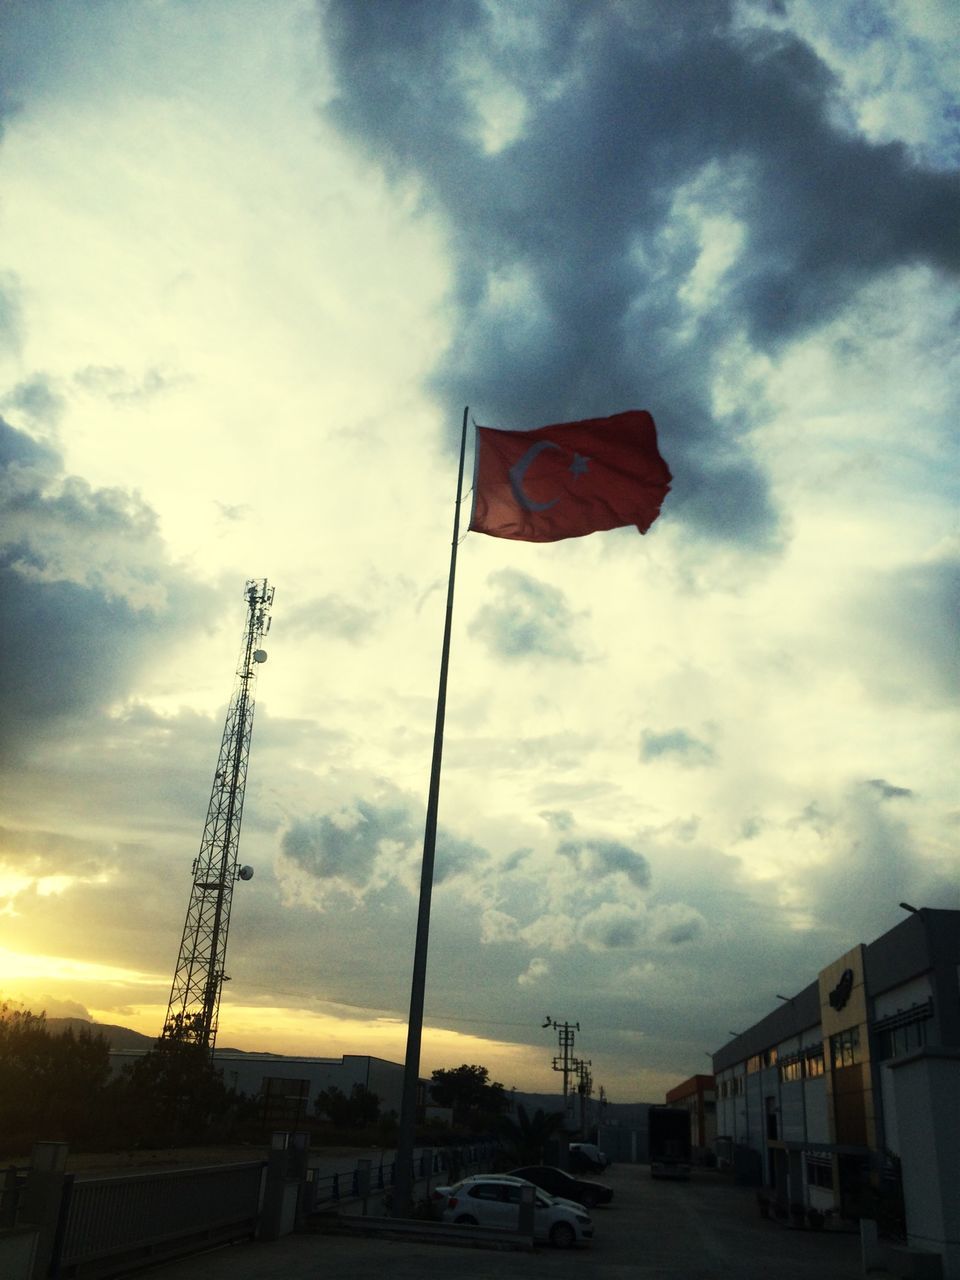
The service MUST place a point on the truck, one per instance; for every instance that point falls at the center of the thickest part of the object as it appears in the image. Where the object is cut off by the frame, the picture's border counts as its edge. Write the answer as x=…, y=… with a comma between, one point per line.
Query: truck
x=670, y=1147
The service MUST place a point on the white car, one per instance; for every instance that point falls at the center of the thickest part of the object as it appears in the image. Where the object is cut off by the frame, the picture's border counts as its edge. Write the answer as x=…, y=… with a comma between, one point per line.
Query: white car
x=493, y=1200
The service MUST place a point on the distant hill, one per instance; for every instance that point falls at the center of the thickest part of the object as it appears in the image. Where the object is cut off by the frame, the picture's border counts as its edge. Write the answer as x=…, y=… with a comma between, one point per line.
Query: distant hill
x=122, y=1038
x=116, y=1037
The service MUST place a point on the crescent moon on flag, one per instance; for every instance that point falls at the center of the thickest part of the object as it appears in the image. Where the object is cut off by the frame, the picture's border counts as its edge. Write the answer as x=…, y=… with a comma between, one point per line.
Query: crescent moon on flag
x=519, y=470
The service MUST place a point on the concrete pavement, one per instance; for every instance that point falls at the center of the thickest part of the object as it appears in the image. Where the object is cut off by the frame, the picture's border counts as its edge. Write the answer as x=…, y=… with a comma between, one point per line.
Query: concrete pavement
x=706, y=1229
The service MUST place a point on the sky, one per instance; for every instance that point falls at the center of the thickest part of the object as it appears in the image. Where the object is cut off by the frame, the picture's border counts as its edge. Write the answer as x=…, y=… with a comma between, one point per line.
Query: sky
x=254, y=261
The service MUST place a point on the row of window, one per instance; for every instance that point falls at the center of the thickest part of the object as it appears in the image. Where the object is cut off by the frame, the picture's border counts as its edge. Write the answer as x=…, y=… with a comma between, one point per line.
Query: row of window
x=802, y=1066
x=898, y=1035
x=895, y=1041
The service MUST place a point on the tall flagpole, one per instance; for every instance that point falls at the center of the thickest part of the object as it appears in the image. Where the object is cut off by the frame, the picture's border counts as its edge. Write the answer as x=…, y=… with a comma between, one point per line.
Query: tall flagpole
x=403, y=1187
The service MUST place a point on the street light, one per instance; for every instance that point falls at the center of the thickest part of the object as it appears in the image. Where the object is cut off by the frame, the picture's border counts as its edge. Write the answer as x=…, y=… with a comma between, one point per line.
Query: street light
x=907, y=907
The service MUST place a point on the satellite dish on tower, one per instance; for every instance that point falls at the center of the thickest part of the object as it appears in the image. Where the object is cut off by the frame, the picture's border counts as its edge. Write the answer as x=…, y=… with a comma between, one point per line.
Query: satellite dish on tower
x=245, y=873
x=259, y=655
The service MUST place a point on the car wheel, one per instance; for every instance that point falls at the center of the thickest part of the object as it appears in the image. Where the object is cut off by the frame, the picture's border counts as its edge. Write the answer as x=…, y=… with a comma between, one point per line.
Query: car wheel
x=465, y=1220
x=563, y=1236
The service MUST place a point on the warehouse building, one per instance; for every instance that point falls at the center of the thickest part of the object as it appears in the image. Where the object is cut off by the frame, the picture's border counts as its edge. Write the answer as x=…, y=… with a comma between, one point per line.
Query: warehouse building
x=845, y=1098
x=698, y=1096
x=289, y=1086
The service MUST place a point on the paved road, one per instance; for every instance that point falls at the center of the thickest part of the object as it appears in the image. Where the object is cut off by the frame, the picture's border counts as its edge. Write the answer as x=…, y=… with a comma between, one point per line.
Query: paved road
x=702, y=1230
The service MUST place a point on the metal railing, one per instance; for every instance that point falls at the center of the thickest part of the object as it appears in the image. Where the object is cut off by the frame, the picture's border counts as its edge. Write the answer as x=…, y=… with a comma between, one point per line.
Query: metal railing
x=12, y=1181
x=110, y=1223
x=330, y=1189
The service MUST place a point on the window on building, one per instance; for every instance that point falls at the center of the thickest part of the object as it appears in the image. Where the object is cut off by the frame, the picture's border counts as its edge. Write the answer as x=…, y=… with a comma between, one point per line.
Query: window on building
x=845, y=1048
x=814, y=1064
x=753, y=1064
x=791, y=1068
x=819, y=1171
x=903, y=1031
x=769, y=1057
x=896, y=1041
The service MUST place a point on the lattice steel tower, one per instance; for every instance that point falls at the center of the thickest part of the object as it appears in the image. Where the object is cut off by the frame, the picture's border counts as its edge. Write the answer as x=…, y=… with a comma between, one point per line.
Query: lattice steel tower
x=195, y=995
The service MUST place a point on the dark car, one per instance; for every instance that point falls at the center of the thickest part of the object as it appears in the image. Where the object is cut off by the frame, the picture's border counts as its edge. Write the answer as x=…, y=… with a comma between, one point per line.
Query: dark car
x=557, y=1183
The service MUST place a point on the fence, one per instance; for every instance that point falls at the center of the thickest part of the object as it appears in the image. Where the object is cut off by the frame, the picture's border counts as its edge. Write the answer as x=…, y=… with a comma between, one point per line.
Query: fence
x=104, y=1227
x=12, y=1181
x=109, y=1225
x=450, y=1163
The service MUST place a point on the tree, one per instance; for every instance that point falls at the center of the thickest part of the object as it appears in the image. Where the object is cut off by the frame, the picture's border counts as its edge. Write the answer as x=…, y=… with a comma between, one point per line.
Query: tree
x=361, y=1107
x=51, y=1086
x=528, y=1136
x=469, y=1092
x=174, y=1092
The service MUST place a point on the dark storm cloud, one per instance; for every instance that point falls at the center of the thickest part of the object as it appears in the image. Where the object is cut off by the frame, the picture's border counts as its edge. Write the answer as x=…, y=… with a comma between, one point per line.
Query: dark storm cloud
x=680, y=931
x=606, y=858
x=612, y=928
x=515, y=860
x=527, y=618
x=573, y=242
x=678, y=744
x=88, y=593
x=878, y=862
x=886, y=790
x=36, y=399
x=457, y=857
x=344, y=846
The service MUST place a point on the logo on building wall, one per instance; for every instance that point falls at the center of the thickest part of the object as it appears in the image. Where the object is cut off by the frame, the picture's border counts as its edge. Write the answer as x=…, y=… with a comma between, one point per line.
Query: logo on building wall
x=841, y=992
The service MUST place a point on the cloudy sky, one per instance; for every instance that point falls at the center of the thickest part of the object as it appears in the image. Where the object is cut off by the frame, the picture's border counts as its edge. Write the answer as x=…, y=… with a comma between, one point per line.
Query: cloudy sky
x=254, y=260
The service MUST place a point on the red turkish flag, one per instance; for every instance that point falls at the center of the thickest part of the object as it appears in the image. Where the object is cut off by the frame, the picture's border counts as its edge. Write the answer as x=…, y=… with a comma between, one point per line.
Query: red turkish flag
x=570, y=479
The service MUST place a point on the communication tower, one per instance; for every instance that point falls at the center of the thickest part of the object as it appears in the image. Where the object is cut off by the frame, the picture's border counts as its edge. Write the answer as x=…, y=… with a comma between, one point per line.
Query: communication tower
x=195, y=995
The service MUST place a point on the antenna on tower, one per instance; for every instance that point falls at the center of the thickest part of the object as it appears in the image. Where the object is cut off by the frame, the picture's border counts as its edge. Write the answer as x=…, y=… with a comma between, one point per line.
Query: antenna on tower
x=194, y=1006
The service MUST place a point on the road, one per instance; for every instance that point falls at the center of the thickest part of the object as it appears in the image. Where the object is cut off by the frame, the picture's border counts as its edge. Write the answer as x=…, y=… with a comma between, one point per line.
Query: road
x=705, y=1229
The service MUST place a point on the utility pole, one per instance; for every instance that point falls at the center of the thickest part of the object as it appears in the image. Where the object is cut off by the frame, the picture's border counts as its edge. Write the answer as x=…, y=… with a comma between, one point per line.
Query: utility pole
x=564, y=1060
x=584, y=1088
x=194, y=1006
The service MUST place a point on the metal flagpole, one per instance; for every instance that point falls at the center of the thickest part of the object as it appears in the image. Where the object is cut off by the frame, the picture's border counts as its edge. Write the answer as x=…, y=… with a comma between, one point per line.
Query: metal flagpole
x=404, y=1180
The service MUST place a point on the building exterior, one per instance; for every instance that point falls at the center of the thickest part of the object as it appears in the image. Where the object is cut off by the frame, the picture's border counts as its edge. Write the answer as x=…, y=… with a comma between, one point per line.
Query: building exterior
x=698, y=1096
x=827, y=1094
x=290, y=1085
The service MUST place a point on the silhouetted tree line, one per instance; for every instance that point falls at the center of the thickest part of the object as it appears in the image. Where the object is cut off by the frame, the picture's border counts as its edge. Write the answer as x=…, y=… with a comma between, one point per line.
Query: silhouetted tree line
x=354, y=1110
x=475, y=1100
x=59, y=1087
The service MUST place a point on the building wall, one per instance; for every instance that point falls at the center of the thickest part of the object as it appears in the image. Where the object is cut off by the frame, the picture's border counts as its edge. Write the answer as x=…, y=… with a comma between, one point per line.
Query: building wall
x=247, y=1072
x=698, y=1096
x=867, y=1009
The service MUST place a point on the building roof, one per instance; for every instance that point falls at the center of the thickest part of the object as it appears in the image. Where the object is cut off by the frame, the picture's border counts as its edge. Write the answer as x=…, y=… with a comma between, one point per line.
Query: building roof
x=927, y=938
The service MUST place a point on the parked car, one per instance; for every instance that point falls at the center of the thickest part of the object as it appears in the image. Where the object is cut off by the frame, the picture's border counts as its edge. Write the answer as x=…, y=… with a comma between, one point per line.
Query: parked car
x=493, y=1200
x=558, y=1183
x=587, y=1157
